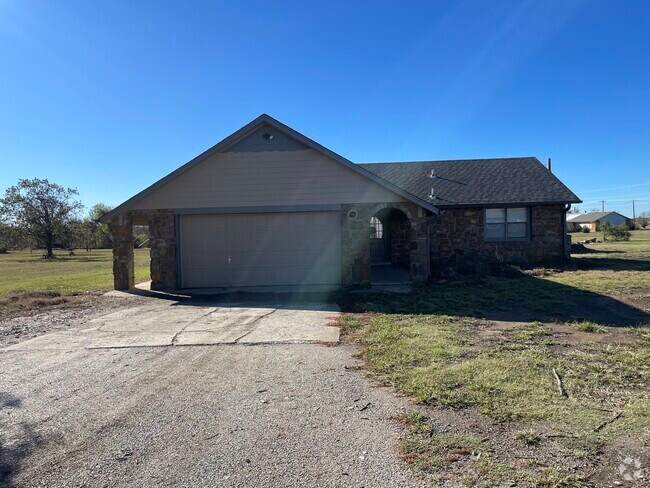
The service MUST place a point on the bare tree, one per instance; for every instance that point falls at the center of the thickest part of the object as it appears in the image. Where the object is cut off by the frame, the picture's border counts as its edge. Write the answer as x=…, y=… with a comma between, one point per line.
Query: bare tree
x=41, y=210
x=644, y=219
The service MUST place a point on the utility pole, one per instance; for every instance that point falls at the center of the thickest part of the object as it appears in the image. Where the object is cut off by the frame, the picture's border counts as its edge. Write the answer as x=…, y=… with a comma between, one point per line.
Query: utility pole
x=603, y=204
x=633, y=213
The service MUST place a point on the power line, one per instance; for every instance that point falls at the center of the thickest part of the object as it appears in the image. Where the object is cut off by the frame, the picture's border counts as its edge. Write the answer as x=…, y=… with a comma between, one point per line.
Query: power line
x=627, y=199
x=616, y=188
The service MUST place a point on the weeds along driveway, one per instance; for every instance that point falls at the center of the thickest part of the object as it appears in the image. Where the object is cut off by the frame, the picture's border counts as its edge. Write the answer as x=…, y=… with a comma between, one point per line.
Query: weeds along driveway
x=218, y=415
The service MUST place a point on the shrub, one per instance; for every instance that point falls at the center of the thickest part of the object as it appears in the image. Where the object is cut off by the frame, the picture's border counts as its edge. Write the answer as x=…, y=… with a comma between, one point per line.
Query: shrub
x=3, y=249
x=615, y=232
x=585, y=230
x=590, y=327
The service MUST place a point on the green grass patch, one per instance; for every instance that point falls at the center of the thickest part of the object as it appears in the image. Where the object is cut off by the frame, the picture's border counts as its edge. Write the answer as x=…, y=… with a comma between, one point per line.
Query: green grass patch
x=444, y=362
x=27, y=272
x=610, y=266
x=435, y=345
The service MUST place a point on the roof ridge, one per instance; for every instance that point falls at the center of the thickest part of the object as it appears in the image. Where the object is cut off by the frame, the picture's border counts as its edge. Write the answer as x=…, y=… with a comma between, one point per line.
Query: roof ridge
x=449, y=160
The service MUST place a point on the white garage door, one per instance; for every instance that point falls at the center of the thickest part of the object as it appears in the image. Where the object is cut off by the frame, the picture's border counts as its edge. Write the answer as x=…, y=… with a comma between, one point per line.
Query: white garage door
x=258, y=249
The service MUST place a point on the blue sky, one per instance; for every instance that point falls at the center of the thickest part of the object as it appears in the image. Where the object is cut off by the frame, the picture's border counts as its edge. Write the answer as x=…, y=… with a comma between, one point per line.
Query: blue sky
x=109, y=96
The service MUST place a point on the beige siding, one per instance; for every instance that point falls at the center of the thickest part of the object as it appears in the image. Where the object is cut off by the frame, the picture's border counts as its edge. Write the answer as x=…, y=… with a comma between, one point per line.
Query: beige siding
x=235, y=179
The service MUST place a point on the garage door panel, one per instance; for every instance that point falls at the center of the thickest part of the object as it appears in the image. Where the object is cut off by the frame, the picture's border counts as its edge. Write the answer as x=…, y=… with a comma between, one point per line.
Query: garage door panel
x=261, y=249
x=300, y=219
x=236, y=221
x=278, y=221
x=218, y=223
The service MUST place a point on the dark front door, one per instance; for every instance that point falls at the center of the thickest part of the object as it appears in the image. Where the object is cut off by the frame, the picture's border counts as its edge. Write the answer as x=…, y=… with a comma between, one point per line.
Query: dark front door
x=379, y=247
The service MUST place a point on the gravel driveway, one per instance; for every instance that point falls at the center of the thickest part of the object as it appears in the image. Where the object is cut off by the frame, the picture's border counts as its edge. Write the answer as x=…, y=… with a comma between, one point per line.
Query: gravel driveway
x=218, y=415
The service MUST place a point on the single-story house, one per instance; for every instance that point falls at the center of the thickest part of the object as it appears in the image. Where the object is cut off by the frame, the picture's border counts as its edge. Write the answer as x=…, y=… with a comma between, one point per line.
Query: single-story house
x=593, y=220
x=268, y=206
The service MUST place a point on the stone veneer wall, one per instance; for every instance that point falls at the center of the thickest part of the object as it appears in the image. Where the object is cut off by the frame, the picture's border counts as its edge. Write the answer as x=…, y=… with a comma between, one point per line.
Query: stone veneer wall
x=400, y=242
x=457, y=240
x=355, y=241
x=123, y=265
x=162, y=235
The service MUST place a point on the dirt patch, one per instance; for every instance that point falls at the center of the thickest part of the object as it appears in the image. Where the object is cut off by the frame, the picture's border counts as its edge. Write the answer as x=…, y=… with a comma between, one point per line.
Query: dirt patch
x=625, y=462
x=19, y=304
x=532, y=448
x=30, y=315
x=638, y=298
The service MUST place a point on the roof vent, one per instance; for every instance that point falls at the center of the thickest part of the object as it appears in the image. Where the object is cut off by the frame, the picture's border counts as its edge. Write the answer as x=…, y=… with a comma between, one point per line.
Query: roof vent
x=432, y=175
x=432, y=195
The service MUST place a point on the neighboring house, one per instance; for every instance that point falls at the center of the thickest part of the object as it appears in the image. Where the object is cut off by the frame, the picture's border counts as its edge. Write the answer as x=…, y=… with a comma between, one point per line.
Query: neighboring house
x=593, y=220
x=269, y=206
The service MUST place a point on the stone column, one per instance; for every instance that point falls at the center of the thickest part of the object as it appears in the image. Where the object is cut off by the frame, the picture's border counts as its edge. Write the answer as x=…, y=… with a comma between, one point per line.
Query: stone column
x=162, y=234
x=355, y=245
x=123, y=266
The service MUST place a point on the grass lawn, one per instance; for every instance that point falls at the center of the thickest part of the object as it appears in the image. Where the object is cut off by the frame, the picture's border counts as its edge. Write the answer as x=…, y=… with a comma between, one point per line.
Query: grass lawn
x=486, y=353
x=23, y=271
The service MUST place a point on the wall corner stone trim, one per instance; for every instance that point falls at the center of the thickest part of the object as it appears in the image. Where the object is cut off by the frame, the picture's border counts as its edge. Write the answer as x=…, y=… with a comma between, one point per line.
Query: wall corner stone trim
x=123, y=263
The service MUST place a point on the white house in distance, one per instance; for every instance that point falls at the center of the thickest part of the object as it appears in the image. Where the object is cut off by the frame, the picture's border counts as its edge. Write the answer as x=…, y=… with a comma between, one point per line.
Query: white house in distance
x=593, y=220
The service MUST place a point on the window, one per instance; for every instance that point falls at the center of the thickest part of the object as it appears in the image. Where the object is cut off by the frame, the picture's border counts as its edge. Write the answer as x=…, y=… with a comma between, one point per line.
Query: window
x=506, y=223
x=376, y=228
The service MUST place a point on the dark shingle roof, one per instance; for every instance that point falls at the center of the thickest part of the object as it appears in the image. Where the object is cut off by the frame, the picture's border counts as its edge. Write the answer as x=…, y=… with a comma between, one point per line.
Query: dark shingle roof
x=477, y=181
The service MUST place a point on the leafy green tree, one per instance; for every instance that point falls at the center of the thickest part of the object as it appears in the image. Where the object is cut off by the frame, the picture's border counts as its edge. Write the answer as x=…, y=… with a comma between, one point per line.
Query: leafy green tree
x=101, y=231
x=11, y=237
x=41, y=210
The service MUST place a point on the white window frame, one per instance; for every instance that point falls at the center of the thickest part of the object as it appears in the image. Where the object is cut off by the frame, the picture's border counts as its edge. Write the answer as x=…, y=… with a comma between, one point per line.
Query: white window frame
x=505, y=223
x=376, y=228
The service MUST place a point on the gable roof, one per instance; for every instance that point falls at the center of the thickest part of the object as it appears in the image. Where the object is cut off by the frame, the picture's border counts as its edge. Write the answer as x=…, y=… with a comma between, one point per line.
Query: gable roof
x=588, y=218
x=482, y=182
x=238, y=135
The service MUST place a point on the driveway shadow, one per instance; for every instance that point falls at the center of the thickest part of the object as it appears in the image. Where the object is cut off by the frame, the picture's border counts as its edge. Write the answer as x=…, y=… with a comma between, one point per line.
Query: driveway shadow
x=326, y=301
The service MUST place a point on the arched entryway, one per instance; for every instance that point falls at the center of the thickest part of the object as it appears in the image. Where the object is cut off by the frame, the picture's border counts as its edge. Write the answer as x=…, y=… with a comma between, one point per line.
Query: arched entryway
x=390, y=259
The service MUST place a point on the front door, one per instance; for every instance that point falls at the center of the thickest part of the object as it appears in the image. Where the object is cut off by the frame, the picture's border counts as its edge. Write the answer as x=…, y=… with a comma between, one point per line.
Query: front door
x=379, y=244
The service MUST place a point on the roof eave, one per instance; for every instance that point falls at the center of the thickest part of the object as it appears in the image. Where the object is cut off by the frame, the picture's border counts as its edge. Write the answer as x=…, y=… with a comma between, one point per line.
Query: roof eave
x=507, y=204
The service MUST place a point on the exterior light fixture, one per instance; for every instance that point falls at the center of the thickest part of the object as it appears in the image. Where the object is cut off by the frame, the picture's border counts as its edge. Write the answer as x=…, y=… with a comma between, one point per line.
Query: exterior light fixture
x=268, y=137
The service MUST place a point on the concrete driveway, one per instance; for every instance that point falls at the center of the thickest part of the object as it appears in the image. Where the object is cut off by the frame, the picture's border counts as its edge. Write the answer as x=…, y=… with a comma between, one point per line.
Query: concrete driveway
x=261, y=406
x=163, y=322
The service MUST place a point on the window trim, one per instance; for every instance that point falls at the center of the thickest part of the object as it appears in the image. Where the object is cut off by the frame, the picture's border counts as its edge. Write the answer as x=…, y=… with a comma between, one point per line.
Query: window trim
x=505, y=225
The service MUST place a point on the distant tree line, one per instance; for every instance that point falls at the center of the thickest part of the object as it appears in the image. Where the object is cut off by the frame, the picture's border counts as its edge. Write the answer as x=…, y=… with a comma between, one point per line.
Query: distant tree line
x=39, y=214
